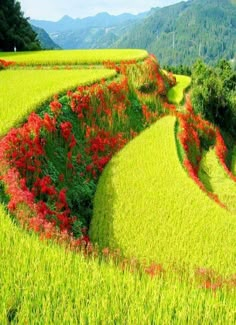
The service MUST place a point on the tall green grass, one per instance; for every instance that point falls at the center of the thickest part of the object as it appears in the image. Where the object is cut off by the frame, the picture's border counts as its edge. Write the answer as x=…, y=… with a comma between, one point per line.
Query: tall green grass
x=74, y=56
x=22, y=91
x=147, y=205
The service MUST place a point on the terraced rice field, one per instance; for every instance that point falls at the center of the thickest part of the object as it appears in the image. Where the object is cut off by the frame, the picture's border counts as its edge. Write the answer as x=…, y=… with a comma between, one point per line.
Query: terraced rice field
x=37, y=87
x=148, y=171
x=174, y=257
x=73, y=57
x=217, y=180
x=176, y=93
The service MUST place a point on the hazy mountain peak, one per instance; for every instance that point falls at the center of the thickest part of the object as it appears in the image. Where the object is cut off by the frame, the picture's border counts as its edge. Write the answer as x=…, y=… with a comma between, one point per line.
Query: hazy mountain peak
x=66, y=18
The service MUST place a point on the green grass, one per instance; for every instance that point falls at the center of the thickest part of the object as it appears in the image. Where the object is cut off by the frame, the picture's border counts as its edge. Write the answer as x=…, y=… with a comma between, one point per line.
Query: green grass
x=176, y=94
x=148, y=206
x=22, y=91
x=60, y=57
x=216, y=180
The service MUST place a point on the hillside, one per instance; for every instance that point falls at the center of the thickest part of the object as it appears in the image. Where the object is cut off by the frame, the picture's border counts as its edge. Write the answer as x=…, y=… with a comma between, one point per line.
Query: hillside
x=90, y=37
x=45, y=41
x=100, y=31
x=180, y=33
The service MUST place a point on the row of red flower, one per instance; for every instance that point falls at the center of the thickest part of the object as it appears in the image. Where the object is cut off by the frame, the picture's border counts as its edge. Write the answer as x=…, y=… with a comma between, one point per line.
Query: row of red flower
x=68, y=145
x=194, y=129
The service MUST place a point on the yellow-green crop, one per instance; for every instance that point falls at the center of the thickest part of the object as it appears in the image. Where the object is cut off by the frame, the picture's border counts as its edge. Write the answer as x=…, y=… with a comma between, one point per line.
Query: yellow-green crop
x=41, y=283
x=74, y=56
x=22, y=91
x=216, y=180
x=147, y=205
x=176, y=93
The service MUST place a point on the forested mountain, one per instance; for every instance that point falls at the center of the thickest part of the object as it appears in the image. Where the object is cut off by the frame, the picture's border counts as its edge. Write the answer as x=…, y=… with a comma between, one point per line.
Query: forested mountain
x=102, y=19
x=180, y=33
x=15, y=30
x=90, y=37
x=45, y=40
x=100, y=31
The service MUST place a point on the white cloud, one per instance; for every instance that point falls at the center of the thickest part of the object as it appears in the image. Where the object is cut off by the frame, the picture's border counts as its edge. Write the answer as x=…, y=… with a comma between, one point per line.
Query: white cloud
x=55, y=9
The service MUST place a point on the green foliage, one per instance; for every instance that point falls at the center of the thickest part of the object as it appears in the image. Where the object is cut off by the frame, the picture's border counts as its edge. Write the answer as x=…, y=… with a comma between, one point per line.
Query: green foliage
x=180, y=69
x=15, y=30
x=214, y=94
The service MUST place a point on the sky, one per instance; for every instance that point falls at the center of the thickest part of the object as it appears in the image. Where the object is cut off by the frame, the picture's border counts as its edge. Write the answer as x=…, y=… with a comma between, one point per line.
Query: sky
x=56, y=9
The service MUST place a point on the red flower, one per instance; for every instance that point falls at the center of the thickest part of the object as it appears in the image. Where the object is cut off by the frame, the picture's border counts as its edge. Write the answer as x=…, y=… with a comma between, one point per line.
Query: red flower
x=66, y=128
x=49, y=123
x=55, y=106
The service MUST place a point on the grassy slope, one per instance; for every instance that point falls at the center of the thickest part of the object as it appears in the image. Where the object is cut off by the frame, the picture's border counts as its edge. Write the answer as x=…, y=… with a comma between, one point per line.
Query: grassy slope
x=176, y=94
x=216, y=179
x=148, y=206
x=21, y=91
x=74, y=56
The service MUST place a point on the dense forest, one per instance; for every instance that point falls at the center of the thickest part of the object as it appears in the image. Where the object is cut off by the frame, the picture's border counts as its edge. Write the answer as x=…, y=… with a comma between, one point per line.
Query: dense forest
x=15, y=30
x=181, y=33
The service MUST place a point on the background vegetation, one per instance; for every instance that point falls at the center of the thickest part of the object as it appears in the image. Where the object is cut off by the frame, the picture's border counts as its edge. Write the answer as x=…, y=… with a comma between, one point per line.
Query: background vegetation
x=15, y=30
x=214, y=94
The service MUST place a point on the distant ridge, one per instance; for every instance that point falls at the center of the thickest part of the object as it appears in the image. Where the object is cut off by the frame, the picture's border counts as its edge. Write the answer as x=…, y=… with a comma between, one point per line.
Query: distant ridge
x=103, y=19
x=100, y=31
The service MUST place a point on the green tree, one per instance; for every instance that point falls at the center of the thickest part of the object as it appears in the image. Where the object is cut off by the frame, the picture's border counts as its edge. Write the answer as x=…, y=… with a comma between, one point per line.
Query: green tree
x=214, y=94
x=15, y=30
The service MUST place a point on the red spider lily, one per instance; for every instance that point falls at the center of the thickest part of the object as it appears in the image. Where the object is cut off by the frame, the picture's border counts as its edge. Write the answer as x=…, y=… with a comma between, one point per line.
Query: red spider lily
x=154, y=270
x=73, y=142
x=221, y=152
x=6, y=64
x=45, y=186
x=66, y=128
x=62, y=197
x=97, y=108
x=146, y=113
x=55, y=106
x=49, y=123
x=111, y=65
